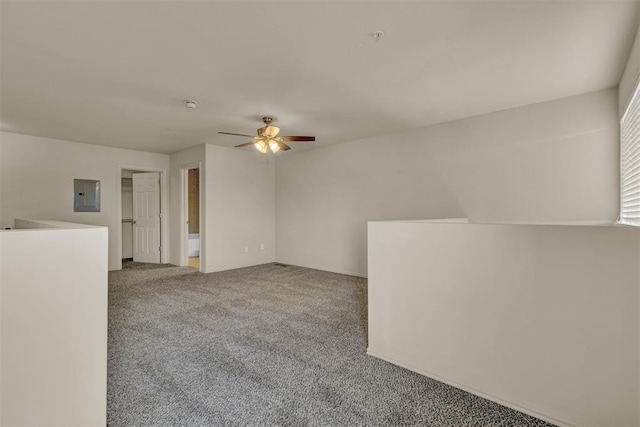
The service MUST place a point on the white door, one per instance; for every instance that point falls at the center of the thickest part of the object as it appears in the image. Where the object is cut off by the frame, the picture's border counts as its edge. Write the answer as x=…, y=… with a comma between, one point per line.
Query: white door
x=146, y=217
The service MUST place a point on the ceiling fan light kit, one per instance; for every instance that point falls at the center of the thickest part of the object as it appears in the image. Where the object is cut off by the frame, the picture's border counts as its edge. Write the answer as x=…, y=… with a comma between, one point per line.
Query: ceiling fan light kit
x=268, y=138
x=261, y=146
x=273, y=145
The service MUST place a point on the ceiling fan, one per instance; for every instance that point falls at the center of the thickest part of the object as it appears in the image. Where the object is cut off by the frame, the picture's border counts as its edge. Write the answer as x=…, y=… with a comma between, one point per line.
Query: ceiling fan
x=268, y=138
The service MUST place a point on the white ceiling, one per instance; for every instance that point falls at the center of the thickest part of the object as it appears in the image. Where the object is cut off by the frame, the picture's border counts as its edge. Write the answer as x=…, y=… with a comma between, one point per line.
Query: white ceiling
x=115, y=73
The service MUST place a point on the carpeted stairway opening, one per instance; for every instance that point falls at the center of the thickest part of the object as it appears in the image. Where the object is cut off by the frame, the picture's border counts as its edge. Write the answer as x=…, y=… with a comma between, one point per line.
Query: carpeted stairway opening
x=266, y=345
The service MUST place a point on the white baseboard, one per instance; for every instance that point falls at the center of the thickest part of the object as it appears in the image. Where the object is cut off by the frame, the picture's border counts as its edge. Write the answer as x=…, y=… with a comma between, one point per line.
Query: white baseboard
x=472, y=390
x=329, y=270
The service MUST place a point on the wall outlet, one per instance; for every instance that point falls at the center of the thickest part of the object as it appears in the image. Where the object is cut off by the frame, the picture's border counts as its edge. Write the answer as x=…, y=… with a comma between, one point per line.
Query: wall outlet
x=246, y=248
x=262, y=246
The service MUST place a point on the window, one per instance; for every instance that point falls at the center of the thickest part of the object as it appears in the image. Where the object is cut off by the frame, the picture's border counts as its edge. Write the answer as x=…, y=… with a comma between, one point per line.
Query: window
x=630, y=163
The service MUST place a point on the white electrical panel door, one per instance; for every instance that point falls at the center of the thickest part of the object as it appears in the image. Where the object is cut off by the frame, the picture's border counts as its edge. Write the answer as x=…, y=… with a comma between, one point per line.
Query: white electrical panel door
x=146, y=217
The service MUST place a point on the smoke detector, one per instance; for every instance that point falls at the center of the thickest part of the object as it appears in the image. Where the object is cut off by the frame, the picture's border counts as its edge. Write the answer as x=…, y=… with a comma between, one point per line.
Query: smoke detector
x=190, y=105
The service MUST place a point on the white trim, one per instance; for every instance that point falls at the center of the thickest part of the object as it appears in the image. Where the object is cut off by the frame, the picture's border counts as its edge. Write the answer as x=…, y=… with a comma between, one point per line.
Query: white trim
x=472, y=390
x=316, y=267
x=184, y=203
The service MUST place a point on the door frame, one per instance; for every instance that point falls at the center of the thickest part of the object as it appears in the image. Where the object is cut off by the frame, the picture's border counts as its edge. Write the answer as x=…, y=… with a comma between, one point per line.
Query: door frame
x=184, y=214
x=164, y=209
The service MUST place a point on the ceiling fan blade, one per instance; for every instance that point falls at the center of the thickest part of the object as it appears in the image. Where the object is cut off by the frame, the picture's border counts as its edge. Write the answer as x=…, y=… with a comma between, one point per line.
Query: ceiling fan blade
x=237, y=134
x=283, y=146
x=246, y=144
x=299, y=138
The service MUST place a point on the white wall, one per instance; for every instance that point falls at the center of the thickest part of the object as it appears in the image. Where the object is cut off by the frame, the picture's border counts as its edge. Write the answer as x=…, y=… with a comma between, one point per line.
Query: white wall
x=36, y=181
x=53, y=317
x=240, y=208
x=237, y=206
x=540, y=318
x=554, y=161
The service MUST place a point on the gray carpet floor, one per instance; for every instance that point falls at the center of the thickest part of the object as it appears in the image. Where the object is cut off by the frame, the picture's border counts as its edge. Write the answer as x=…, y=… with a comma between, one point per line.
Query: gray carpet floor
x=265, y=345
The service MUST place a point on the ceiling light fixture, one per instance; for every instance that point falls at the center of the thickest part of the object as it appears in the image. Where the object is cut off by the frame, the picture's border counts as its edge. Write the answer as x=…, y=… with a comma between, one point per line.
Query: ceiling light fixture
x=377, y=35
x=261, y=146
x=190, y=105
x=273, y=144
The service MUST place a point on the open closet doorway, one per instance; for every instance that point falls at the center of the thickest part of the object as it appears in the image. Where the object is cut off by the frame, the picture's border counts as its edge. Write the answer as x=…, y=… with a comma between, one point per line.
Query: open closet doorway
x=141, y=216
x=192, y=214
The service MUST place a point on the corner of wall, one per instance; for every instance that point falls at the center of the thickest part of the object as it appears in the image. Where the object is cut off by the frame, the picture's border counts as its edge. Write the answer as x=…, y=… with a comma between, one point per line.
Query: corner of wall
x=630, y=75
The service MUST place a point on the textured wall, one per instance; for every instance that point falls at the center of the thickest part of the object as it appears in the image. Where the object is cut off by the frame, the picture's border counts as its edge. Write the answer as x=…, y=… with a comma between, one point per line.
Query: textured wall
x=240, y=208
x=53, y=312
x=540, y=318
x=554, y=161
x=36, y=181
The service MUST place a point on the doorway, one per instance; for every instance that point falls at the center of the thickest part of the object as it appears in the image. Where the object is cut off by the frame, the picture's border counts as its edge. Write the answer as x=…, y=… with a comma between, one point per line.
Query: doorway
x=141, y=216
x=192, y=210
